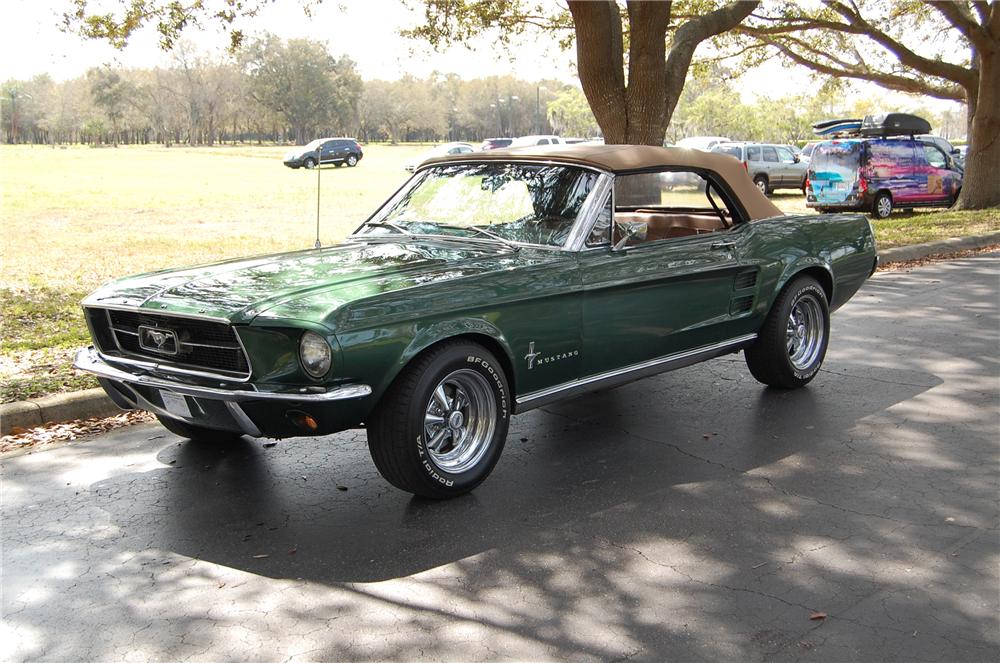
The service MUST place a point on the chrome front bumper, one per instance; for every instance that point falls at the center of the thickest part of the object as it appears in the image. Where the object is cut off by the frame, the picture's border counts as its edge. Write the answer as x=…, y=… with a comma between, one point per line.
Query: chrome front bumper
x=90, y=360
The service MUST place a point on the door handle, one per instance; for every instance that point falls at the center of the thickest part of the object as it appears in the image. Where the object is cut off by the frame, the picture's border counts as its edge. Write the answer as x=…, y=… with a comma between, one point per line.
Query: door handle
x=724, y=246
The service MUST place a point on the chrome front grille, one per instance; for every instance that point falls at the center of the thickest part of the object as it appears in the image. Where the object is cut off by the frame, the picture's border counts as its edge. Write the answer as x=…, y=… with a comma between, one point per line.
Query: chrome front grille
x=188, y=344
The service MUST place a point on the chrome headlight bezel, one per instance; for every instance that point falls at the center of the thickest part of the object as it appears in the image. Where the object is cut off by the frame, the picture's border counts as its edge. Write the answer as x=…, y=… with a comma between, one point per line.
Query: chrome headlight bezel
x=315, y=355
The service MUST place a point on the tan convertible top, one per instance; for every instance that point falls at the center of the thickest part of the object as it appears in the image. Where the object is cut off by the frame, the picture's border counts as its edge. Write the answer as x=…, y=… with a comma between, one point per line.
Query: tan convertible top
x=621, y=159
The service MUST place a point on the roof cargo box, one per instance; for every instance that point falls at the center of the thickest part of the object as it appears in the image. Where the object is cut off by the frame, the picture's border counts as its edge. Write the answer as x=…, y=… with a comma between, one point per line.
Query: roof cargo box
x=894, y=124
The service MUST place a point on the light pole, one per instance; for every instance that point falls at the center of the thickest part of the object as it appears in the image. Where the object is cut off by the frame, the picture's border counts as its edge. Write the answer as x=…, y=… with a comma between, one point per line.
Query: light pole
x=499, y=128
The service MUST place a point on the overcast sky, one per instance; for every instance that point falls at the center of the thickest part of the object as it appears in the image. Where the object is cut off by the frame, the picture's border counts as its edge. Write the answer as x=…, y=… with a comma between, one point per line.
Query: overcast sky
x=31, y=43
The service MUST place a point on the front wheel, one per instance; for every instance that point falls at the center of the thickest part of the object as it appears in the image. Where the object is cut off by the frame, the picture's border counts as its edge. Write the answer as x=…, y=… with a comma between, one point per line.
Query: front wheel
x=882, y=206
x=791, y=345
x=309, y=163
x=197, y=433
x=440, y=428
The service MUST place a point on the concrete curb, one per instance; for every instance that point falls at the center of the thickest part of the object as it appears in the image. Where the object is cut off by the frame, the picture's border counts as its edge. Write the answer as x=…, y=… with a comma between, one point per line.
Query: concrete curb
x=940, y=247
x=95, y=403
x=55, y=408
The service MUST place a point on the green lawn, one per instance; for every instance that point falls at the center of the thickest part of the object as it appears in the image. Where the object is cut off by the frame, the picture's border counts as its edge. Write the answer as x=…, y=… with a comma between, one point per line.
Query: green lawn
x=76, y=217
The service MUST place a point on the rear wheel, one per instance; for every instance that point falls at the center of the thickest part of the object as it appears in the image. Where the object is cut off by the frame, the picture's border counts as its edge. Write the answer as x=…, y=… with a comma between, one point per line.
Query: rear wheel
x=882, y=206
x=791, y=345
x=197, y=433
x=352, y=161
x=760, y=181
x=440, y=428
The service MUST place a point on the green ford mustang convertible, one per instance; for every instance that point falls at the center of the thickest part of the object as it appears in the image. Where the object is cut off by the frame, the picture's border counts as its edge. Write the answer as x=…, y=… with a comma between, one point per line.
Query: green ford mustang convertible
x=488, y=285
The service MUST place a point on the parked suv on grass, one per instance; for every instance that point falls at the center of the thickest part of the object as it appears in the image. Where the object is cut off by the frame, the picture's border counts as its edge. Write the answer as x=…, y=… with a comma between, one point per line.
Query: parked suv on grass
x=337, y=151
x=769, y=166
x=881, y=174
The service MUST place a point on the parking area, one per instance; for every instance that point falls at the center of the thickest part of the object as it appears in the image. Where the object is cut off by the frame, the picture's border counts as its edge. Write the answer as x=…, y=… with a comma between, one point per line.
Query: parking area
x=694, y=515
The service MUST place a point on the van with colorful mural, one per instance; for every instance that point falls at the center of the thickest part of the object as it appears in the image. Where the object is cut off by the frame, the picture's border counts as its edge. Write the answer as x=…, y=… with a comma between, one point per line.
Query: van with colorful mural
x=880, y=174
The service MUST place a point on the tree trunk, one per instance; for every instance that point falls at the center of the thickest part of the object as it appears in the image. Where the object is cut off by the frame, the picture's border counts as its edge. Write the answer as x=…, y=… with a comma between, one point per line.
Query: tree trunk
x=981, y=185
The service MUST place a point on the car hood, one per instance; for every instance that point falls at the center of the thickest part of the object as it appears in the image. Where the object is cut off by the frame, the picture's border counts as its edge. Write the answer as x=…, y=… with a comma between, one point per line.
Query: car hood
x=306, y=285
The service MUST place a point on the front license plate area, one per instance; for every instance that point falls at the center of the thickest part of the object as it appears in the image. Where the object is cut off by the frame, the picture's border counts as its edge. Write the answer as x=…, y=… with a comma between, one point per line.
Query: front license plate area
x=175, y=404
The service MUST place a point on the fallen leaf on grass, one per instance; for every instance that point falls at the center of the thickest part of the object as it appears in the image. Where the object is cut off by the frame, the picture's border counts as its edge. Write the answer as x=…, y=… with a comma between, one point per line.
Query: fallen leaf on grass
x=817, y=615
x=261, y=556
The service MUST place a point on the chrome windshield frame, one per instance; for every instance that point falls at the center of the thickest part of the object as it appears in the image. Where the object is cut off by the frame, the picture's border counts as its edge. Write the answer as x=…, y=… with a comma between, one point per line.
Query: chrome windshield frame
x=584, y=221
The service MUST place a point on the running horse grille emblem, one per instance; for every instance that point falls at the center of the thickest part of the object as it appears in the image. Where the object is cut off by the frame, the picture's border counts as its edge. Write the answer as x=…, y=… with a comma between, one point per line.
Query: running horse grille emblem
x=155, y=339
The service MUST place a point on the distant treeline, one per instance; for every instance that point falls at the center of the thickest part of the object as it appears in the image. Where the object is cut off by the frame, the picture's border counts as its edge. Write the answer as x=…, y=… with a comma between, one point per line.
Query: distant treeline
x=273, y=91
x=278, y=91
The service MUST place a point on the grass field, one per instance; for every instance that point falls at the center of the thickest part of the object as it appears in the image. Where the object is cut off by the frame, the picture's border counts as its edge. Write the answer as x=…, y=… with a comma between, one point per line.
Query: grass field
x=76, y=217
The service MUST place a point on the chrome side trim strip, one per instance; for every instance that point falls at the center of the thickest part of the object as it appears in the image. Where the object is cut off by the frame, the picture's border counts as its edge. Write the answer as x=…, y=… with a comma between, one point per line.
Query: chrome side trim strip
x=650, y=367
x=90, y=360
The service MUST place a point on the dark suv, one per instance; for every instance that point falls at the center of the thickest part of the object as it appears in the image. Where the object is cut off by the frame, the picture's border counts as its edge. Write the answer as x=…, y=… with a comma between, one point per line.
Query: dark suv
x=337, y=151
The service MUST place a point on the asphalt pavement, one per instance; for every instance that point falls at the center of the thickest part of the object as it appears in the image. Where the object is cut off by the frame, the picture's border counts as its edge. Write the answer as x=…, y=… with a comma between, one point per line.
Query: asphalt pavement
x=691, y=516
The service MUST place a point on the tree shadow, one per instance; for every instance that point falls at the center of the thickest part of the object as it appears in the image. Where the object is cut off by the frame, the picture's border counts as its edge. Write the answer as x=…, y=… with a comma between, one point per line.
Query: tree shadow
x=694, y=515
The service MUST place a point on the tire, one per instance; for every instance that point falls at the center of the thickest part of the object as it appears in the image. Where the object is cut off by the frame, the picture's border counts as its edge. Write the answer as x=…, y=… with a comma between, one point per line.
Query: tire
x=792, y=343
x=352, y=161
x=760, y=181
x=197, y=433
x=412, y=432
x=882, y=205
x=309, y=163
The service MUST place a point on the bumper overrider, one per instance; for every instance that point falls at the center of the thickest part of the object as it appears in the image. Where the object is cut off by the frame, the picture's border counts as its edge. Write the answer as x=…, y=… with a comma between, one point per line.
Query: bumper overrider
x=240, y=407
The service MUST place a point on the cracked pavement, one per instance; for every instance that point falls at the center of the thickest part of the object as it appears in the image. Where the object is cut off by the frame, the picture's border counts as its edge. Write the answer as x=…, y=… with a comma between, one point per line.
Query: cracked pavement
x=690, y=516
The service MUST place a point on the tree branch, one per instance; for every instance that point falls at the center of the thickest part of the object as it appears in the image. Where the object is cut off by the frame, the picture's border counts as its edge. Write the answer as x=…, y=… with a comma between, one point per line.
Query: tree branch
x=962, y=20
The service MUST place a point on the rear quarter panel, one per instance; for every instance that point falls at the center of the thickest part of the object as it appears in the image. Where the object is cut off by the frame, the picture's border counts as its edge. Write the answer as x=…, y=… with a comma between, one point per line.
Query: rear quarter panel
x=839, y=249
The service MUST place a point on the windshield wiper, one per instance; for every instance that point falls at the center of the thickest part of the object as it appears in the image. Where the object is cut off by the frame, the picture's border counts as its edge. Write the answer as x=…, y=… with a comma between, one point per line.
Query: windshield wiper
x=503, y=240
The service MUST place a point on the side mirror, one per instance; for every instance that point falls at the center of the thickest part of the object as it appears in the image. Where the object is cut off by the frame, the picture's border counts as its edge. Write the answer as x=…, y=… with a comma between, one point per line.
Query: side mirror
x=631, y=230
x=955, y=150
x=797, y=158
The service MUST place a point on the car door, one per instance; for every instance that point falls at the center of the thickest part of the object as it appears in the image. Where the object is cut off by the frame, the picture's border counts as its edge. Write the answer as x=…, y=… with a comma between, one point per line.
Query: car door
x=328, y=152
x=772, y=166
x=660, y=296
x=792, y=171
x=939, y=176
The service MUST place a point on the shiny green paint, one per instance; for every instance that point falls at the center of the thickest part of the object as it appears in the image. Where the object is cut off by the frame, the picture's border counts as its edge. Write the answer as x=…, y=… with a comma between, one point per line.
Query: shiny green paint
x=381, y=303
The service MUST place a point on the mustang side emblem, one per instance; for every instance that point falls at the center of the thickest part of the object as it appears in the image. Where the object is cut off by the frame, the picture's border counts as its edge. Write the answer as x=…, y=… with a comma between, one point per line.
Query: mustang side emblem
x=532, y=356
x=163, y=341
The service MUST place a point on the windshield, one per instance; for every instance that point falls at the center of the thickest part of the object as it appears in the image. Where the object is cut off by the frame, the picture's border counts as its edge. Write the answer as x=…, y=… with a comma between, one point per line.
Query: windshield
x=516, y=202
x=314, y=144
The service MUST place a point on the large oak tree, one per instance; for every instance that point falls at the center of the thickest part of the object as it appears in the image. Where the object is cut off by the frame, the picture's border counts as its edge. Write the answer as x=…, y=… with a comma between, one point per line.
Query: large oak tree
x=632, y=58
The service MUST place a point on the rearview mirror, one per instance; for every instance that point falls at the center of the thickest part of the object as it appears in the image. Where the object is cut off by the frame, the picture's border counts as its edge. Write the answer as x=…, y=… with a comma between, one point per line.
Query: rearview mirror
x=631, y=230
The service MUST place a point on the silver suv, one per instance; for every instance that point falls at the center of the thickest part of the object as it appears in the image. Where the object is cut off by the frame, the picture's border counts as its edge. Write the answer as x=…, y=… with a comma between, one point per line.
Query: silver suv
x=770, y=166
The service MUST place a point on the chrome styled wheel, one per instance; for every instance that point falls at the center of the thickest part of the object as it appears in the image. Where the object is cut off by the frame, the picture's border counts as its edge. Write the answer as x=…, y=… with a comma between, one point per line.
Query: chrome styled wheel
x=805, y=332
x=459, y=421
x=791, y=344
x=440, y=428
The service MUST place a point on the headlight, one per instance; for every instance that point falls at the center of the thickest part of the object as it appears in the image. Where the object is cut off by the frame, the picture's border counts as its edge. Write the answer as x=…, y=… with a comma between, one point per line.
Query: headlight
x=315, y=354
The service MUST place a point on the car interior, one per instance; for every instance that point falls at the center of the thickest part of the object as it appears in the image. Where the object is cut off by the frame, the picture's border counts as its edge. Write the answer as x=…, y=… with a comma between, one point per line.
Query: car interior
x=651, y=207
